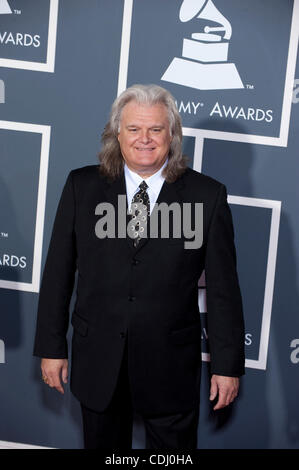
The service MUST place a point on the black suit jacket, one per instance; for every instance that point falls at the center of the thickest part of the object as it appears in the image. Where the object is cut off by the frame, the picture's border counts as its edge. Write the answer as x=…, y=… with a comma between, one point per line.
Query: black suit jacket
x=149, y=294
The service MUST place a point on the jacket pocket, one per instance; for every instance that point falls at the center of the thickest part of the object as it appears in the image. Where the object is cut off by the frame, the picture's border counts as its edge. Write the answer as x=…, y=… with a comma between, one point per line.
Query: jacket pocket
x=189, y=334
x=79, y=324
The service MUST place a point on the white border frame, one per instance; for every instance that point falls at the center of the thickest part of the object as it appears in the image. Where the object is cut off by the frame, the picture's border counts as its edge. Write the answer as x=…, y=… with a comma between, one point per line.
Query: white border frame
x=261, y=362
x=45, y=132
x=275, y=206
x=280, y=141
x=49, y=66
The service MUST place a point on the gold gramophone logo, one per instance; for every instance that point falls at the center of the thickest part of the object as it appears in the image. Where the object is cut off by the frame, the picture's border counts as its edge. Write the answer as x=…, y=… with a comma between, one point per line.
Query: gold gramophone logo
x=4, y=7
x=204, y=64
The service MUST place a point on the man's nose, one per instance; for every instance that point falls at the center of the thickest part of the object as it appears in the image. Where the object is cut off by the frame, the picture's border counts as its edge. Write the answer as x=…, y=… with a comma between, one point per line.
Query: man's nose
x=144, y=136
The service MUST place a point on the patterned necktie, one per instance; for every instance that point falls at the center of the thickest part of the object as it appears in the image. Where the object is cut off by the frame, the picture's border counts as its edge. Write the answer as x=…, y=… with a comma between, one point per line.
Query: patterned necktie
x=140, y=211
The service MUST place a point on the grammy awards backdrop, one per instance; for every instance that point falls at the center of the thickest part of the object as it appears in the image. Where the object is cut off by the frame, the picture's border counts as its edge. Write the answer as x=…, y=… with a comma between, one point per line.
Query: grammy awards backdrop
x=232, y=67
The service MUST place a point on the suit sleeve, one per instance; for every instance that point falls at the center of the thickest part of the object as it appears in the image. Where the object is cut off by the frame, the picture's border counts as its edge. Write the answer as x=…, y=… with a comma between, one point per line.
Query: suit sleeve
x=224, y=303
x=58, y=281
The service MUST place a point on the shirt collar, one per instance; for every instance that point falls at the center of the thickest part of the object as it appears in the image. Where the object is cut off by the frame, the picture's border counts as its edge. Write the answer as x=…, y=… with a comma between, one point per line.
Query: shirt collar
x=154, y=181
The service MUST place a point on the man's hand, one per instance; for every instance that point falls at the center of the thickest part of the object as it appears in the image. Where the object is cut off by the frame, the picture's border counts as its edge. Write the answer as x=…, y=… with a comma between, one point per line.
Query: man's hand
x=227, y=389
x=53, y=370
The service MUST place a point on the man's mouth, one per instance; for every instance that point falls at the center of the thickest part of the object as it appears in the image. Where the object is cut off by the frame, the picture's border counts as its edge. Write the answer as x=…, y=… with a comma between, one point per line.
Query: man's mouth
x=145, y=149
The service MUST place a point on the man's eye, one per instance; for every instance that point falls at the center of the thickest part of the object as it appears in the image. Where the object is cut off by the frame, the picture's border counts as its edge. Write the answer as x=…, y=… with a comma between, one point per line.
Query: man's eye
x=133, y=129
x=157, y=129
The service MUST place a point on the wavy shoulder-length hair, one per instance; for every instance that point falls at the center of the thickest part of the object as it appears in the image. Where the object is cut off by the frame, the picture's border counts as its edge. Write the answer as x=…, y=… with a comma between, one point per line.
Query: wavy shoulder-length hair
x=111, y=159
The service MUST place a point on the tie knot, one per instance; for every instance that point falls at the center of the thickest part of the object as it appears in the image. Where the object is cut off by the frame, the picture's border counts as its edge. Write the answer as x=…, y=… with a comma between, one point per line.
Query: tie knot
x=143, y=185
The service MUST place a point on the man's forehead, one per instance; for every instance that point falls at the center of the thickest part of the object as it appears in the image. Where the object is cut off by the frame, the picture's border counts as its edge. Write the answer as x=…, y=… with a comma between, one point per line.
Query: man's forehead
x=135, y=107
x=134, y=110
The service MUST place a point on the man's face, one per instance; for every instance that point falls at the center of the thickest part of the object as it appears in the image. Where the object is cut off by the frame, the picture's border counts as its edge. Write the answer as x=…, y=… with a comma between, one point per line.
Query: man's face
x=144, y=137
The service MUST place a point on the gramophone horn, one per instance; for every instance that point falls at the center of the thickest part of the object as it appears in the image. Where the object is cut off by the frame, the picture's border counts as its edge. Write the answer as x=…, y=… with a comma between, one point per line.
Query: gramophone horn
x=205, y=9
x=191, y=8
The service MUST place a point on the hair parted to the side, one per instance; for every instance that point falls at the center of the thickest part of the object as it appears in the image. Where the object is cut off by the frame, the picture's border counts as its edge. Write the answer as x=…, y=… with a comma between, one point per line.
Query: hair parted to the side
x=110, y=157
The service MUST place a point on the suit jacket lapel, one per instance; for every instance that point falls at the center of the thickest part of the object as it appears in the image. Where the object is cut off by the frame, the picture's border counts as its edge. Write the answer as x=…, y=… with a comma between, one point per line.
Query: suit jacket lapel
x=114, y=189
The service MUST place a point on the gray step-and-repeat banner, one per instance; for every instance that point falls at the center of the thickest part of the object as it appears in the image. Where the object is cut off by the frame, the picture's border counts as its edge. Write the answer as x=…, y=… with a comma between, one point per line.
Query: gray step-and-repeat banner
x=231, y=66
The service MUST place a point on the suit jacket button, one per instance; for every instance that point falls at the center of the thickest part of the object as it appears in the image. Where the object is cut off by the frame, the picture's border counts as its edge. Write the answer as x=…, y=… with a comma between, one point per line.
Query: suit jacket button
x=131, y=298
x=135, y=262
